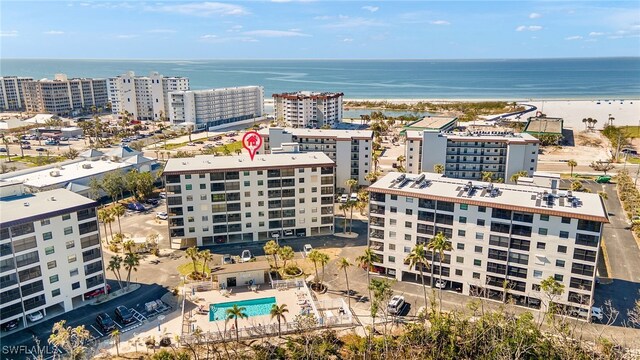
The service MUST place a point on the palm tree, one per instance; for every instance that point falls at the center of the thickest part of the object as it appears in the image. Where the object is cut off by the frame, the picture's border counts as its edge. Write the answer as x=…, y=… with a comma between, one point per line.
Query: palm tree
x=114, y=265
x=118, y=210
x=234, y=313
x=401, y=159
x=344, y=207
x=351, y=204
x=438, y=168
x=418, y=258
x=131, y=261
x=351, y=183
x=315, y=256
x=272, y=248
x=206, y=256
x=439, y=243
x=5, y=141
x=278, y=313
x=594, y=122
x=376, y=161
x=102, y=217
x=192, y=253
x=115, y=336
x=286, y=253
x=572, y=163
x=366, y=260
x=487, y=176
x=344, y=264
x=585, y=121
x=323, y=259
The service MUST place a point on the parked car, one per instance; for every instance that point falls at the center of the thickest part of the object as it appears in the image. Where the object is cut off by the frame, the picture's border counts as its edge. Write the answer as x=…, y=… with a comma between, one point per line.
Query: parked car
x=35, y=316
x=441, y=284
x=596, y=313
x=307, y=249
x=353, y=197
x=163, y=195
x=26, y=147
x=162, y=215
x=10, y=325
x=136, y=206
x=3, y=149
x=245, y=256
x=105, y=322
x=219, y=143
x=344, y=198
x=396, y=304
x=25, y=142
x=152, y=201
x=200, y=142
x=227, y=259
x=41, y=149
x=51, y=142
x=97, y=292
x=191, y=144
x=124, y=315
x=288, y=233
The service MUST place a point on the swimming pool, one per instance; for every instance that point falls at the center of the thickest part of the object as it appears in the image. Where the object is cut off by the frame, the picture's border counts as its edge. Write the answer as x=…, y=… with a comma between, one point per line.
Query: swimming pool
x=253, y=307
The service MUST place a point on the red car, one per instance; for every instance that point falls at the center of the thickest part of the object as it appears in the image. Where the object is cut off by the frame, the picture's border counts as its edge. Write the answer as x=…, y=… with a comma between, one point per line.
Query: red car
x=97, y=292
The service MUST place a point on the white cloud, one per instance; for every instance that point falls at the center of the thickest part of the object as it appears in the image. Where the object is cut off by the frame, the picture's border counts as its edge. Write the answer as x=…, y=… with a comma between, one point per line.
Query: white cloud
x=126, y=36
x=235, y=28
x=534, y=15
x=274, y=33
x=349, y=22
x=201, y=9
x=576, y=37
x=439, y=22
x=162, y=31
x=53, y=32
x=323, y=17
x=595, y=33
x=370, y=8
x=529, y=28
x=347, y=40
x=10, y=33
x=209, y=36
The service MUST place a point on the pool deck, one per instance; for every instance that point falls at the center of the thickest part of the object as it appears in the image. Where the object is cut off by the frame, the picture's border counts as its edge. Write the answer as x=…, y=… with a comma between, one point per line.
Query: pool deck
x=292, y=297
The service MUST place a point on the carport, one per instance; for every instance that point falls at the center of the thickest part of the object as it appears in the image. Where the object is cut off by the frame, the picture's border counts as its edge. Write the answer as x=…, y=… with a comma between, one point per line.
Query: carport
x=242, y=274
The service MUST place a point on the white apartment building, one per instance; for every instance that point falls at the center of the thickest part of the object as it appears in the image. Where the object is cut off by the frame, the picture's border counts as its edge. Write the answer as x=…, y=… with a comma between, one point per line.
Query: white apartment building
x=232, y=199
x=50, y=253
x=144, y=97
x=513, y=233
x=350, y=149
x=306, y=109
x=216, y=108
x=64, y=96
x=11, y=93
x=466, y=155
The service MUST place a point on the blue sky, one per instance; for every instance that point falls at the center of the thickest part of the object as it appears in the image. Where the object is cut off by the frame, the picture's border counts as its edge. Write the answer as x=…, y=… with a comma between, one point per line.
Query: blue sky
x=289, y=29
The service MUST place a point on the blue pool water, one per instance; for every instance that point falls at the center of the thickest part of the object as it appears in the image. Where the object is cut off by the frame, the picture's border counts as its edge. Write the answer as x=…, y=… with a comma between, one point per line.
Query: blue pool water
x=254, y=307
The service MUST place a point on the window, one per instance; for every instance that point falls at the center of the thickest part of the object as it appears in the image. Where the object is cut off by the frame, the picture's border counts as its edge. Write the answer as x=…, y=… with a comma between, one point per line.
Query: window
x=460, y=259
x=392, y=234
x=392, y=246
x=203, y=187
x=392, y=259
x=70, y=244
x=66, y=217
x=394, y=197
x=535, y=287
x=480, y=222
x=47, y=236
x=407, y=249
x=562, y=249
x=45, y=222
x=247, y=183
x=55, y=292
x=482, y=209
x=73, y=272
x=462, y=233
x=260, y=182
x=460, y=246
x=393, y=209
x=188, y=187
x=476, y=275
x=407, y=237
x=462, y=219
x=542, y=231
x=187, y=177
x=464, y=207
x=564, y=234
x=409, y=200
x=544, y=217
x=71, y=258
x=478, y=249
x=566, y=220
x=392, y=221
x=537, y=274
x=408, y=224
x=51, y=264
x=458, y=272
x=560, y=263
x=541, y=245
x=203, y=197
x=75, y=285
x=558, y=277
x=409, y=212
x=49, y=250
x=53, y=279
x=477, y=262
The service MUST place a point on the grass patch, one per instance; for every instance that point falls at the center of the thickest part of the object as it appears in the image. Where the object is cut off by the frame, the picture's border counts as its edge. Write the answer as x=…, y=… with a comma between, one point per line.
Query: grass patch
x=633, y=160
x=578, y=176
x=36, y=160
x=237, y=145
x=631, y=131
x=187, y=268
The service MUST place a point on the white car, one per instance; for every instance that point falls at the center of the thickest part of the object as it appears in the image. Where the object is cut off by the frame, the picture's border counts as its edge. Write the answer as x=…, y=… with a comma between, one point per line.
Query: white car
x=35, y=316
x=596, y=313
x=396, y=304
x=441, y=284
x=162, y=215
x=344, y=198
x=353, y=197
x=245, y=256
x=307, y=249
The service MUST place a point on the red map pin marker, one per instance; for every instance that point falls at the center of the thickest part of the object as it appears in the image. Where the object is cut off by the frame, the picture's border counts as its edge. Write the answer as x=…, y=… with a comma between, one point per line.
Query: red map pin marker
x=252, y=142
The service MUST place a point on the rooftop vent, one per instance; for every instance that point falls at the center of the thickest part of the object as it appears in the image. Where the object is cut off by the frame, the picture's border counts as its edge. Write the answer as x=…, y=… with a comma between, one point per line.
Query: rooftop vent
x=54, y=173
x=86, y=166
x=53, y=198
x=420, y=178
x=401, y=177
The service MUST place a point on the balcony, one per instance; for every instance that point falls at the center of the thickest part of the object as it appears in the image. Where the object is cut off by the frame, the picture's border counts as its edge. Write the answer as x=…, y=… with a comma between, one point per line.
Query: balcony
x=378, y=210
x=376, y=222
x=377, y=234
x=376, y=245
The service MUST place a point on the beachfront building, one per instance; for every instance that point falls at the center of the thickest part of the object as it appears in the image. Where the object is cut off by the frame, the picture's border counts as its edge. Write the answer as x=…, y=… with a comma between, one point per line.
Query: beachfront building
x=50, y=253
x=64, y=96
x=502, y=236
x=466, y=155
x=144, y=97
x=232, y=199
x=432, y=123
x=545, y=126
x=349, y=149
x=76, y=175
x=306, y=109
x=11, y=93
x=216, y=108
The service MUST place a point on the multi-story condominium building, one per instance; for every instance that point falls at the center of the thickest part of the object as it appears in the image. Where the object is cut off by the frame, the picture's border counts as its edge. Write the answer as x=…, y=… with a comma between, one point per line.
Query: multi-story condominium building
x=144, y=97
x=216, y=108
x=232, y=199
x=350, y=149
x=11, y=93
x=503, y=237
x=50, y=253
x=63, y=96
x=466, y=155
x=307, y=109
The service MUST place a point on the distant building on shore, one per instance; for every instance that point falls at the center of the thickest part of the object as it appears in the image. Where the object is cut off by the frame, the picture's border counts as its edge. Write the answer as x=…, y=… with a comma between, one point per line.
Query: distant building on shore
x=216, y=108
x=307, y=109
x=12, y=93
x=466, y=155
x=63, y=96
x=144, y=97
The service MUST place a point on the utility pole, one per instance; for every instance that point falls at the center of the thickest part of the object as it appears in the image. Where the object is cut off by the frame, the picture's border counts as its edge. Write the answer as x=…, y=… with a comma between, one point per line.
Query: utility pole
x=618, y=150
x=637, y=173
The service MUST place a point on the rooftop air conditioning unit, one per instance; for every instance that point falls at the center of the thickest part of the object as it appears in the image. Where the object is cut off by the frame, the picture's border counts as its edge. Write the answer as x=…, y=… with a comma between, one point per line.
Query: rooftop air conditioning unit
x=54, y=173
x=86, y=166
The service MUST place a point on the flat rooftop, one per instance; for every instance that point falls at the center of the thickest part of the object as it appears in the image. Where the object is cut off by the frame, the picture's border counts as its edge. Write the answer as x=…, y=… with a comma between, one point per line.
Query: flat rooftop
x=321, y=133
x=24, y=208
x=205, y=91
x=432, y=122
x=240, y=267
x=211, y=163
x=544, y=125
x=498, y=136
x=523, y=198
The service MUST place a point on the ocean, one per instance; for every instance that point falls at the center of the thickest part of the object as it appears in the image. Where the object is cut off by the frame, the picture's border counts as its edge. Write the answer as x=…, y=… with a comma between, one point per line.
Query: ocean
x=378, y=79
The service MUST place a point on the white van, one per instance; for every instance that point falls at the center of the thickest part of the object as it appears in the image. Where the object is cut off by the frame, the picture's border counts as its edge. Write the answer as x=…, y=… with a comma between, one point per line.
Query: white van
x=354, y=197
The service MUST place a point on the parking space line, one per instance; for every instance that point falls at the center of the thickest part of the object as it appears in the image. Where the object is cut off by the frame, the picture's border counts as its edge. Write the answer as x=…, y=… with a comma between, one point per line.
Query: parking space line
x=98, y=331
x=117, y=323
